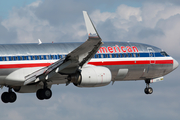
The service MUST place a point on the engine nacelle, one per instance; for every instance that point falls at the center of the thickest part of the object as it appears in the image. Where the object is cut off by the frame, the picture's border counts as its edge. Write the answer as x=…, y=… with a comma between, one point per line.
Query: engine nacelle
x=91, y=77
x=28, y=88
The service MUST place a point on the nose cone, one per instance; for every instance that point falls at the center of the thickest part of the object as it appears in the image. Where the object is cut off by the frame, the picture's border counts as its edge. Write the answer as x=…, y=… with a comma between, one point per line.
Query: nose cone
x=175, y=64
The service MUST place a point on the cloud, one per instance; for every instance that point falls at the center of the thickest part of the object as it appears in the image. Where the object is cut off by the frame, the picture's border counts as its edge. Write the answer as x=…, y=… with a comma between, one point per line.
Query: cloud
x=6, y=35
x=14, y=115
x=50, y=21
x=155, y=23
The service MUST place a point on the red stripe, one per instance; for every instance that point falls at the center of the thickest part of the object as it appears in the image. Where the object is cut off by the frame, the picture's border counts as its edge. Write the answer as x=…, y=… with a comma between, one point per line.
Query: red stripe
x=24, y=65
x=101, y=63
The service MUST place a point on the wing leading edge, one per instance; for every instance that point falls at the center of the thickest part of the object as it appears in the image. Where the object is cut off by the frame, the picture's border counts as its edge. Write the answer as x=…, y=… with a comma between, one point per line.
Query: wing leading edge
x=74, y=60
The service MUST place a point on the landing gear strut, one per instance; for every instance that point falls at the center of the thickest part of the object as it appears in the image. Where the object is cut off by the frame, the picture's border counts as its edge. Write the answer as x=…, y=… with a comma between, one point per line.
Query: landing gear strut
x=9, y=96
x=148, y=90
x=44, y=93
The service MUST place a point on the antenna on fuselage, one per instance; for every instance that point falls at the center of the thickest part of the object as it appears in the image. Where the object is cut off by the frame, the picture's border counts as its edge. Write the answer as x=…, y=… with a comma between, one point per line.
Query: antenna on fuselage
x=39, y=42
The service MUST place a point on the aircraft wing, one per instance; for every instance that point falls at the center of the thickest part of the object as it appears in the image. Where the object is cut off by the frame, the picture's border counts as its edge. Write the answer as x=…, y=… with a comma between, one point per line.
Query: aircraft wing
x=75, y=59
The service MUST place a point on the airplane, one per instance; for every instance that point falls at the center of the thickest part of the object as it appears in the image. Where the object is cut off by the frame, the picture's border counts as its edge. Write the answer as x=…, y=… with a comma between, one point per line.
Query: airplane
x=34, y=68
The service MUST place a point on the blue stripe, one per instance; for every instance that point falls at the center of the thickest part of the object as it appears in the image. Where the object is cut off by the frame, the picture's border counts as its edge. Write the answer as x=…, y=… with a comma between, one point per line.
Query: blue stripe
x=56, y=57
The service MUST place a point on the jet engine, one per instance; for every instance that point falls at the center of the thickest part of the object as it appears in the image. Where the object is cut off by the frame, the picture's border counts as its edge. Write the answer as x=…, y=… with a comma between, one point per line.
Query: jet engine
x=91, y=77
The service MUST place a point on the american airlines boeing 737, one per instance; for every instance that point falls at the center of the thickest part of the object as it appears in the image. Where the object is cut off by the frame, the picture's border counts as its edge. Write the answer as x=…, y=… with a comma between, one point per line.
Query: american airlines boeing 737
x=29, y=68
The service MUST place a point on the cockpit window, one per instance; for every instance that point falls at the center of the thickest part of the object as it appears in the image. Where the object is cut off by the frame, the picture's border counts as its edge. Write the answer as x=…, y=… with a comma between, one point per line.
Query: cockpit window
x=164, y=53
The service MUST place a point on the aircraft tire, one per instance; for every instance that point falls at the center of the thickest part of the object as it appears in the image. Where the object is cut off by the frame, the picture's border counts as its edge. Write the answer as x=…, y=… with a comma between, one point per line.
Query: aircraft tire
x=12, y=97
x=146, y=91
x=47, y=93
x=8, y=97
x=4, y=97
x=39, y=94
x=150, y=90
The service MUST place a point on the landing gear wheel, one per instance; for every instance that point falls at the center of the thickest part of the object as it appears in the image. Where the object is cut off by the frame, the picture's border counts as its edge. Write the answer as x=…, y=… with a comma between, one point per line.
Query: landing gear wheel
x=12, y=97
x=8, y=97
x=148, y=90
x=4, y=97
x=39, y=94
x=44, y=94
x=47, y=93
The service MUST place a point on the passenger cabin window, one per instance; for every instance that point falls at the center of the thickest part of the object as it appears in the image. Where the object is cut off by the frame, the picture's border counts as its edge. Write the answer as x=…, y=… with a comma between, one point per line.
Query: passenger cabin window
x=3, y=58
x=12, y=58
x=42, y=57
x=122, y=55
x=138, y=54
x=47, y=57
x=51, y=56
x=16, y=58
x=29, y=57
x=126, y=54
x=7, y=58
x=130, y=54
x=134, y=54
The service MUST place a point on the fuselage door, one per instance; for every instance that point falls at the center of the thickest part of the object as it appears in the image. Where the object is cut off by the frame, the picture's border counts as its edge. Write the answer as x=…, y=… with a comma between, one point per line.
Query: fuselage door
x=151, y=55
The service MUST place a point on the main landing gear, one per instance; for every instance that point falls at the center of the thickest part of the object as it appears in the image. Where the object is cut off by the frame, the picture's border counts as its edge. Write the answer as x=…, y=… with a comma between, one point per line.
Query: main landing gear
x=44, y=93
x=9, y=96
x=148, y=90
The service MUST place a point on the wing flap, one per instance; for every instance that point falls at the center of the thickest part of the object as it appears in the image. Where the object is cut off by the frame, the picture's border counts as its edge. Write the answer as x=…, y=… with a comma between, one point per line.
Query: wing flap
x=42, y=72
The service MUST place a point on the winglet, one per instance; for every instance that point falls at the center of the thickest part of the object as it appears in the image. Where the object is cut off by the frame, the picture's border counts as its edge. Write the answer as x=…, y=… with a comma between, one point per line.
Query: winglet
x=92, y=33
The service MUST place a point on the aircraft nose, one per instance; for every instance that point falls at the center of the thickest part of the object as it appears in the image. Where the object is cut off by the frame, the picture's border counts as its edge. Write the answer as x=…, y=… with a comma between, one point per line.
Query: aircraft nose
x=175, y=64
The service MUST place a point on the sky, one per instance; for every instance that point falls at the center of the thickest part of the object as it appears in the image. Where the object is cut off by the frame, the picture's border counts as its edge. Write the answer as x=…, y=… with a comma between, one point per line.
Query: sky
x=155, y=22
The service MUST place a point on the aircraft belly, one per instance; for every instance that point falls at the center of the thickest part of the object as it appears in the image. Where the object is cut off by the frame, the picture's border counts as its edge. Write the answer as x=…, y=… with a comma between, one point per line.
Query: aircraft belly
x=58, y=79
x=130, y=72
x=134, y=72
x=4, y=73
x=140, y=72
x=16, y=77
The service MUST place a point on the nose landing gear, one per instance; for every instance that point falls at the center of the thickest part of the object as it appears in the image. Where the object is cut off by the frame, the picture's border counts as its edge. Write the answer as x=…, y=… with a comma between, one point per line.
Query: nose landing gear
x=148, y=90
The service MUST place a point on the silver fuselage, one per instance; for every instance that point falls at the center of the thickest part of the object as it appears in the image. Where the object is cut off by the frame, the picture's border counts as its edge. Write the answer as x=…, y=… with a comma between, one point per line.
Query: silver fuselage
x=124, y=61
